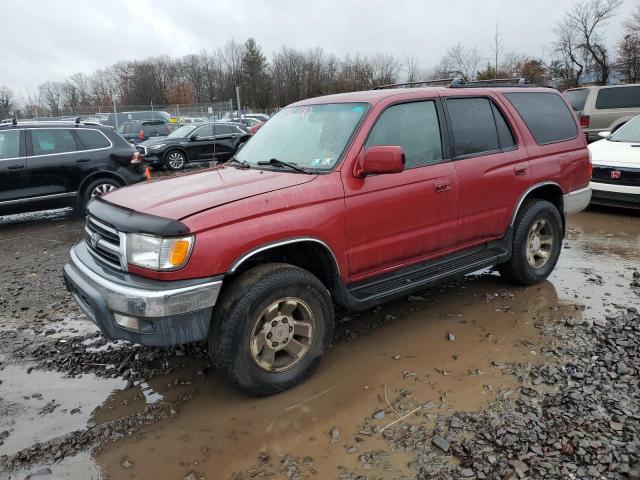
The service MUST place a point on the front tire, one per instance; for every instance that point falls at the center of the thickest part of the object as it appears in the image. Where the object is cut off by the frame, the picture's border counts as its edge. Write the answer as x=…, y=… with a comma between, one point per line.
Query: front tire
x=537, y=239
x=270, y=328
x=175, y=160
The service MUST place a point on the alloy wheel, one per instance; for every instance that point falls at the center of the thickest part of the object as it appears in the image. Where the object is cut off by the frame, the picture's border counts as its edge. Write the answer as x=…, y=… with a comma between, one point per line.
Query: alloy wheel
x=539, y=243
x=176, y=160
x=282, y=334
x=102, y=189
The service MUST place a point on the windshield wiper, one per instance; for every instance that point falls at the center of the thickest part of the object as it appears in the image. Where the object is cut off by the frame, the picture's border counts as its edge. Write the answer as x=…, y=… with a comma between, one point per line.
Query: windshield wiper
x=279, y=163
x=241, y=163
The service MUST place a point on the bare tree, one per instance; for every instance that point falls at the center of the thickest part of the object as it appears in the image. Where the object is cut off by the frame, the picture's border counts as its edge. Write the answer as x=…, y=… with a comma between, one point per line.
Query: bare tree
x=7, y=103
x=629, y=49
x=582, y=33
x=460, y=61
x=411, y=68
x=497, y=47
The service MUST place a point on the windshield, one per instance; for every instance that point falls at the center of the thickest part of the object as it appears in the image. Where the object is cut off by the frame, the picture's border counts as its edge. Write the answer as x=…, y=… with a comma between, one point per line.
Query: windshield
x=182, y=132
x=311, y=136
x=577, y=98
x=629, y=132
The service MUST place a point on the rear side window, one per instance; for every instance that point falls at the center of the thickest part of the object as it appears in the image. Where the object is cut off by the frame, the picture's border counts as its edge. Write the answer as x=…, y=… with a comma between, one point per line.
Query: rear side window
x=9, y=144
x=547, y=117
x=222, y=129
x=618, y=97
x=473, y=126
x=577, y=98
x=92, y=139
x=413, y=126
x=47, y=141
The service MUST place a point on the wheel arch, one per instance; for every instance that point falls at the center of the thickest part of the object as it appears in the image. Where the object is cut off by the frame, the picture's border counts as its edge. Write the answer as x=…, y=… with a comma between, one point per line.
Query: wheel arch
x=308, y=253
x=550, y=191
x=99, y=174
x=171, y=149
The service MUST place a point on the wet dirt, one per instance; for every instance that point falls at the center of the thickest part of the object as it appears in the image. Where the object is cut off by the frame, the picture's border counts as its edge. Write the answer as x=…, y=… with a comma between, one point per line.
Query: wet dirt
x=447, y=350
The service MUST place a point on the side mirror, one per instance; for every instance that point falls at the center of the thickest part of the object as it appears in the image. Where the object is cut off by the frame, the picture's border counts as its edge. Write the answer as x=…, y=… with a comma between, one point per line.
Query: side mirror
x=604, y=134
x=240, y=146
x=193, y=138
x=379, y=160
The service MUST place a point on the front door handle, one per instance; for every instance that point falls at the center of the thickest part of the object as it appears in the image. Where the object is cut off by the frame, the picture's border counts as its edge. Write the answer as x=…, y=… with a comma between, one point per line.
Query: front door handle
x=520, y=169
x=442, y=186
x=16, y=167
x=83, y=160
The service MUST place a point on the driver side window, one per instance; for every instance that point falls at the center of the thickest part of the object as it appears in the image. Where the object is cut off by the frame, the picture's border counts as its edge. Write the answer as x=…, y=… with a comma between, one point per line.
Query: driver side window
x=204, y=131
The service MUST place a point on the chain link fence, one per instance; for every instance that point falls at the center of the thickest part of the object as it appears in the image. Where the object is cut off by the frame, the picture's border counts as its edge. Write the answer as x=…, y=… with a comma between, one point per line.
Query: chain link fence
x=116, y=114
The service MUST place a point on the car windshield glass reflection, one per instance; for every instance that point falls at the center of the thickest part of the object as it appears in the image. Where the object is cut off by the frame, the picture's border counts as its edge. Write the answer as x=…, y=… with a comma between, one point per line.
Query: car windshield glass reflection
x=629, y=132
x=181, y=132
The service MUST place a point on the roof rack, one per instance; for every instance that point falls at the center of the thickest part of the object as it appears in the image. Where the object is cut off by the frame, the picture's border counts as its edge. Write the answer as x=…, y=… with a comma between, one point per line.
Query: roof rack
x=494, y=82
x=436, y=81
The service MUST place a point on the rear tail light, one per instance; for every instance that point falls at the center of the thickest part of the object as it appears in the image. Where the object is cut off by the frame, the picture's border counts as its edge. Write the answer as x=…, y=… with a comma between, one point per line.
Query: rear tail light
x=136, y=157
x=584, y=121
x=141, y=134
x=590, y=165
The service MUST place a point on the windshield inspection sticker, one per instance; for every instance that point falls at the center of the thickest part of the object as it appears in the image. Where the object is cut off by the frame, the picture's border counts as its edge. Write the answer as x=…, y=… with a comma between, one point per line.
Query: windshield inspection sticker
x=358, y=108
x=327, y=161
x=315, y=161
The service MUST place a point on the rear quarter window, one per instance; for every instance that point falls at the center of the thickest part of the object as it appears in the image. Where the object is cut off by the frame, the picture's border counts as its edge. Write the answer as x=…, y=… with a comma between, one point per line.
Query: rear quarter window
x=577, y=98
x=92, y=139
x=618, y=97
x=546, y=116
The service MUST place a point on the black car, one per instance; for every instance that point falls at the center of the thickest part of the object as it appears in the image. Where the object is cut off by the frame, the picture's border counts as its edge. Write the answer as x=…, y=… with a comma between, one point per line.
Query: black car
x=194, y=143
x=116, y=119
x=136, y=131
x=54, y=164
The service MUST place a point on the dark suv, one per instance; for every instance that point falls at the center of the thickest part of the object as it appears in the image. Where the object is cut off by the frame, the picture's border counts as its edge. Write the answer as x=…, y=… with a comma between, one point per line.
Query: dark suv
x=136, y=131
x=194, y=143
x=55, y=164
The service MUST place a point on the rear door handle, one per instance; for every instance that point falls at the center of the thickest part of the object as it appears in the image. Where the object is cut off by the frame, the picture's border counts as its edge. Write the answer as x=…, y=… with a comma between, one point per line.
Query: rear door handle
x=520, y=170
x=442, y=186
x=82, y=160
x=16, y=167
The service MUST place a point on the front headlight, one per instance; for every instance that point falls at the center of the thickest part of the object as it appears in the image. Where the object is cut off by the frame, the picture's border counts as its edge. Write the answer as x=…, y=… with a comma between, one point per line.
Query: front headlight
x=157, y=146
x=157, y=253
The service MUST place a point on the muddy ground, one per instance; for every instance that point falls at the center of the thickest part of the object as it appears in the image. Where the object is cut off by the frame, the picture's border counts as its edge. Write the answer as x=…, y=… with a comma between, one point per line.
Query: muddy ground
x=472, y=380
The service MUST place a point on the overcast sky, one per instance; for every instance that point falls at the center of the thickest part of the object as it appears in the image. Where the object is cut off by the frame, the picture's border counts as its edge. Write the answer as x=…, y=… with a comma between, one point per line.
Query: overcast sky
x=51, y=39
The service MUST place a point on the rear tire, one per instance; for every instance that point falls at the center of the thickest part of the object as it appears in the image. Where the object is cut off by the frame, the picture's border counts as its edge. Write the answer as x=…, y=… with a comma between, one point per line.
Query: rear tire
x=270, y=328
x=98, y=188
x=537, y=239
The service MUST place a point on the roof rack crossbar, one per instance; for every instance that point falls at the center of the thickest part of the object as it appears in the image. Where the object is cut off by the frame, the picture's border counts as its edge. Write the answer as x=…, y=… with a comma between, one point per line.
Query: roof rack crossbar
x=494, y=82
x=435, y=81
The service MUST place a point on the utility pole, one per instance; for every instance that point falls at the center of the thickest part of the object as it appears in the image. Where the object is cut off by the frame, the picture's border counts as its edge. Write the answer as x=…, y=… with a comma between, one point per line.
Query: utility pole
x=238, y=100
x=115, y=112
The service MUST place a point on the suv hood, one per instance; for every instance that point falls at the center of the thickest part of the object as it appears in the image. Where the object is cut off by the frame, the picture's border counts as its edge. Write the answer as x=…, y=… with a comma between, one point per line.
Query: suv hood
x=185, y=195
x=605, y=152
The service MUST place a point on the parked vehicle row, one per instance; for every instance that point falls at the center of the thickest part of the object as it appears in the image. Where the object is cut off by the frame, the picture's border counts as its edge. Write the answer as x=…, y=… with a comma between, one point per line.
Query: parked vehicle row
x=53, y=164
x=349, y=200
x=194, y=143
x=604, y=108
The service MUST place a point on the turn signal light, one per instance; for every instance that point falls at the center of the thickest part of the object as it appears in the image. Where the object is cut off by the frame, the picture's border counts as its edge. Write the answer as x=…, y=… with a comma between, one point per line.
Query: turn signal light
x=179, y=252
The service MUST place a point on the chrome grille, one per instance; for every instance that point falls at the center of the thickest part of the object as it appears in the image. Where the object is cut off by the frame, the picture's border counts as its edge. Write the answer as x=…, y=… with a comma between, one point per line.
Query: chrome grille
x=103, y=242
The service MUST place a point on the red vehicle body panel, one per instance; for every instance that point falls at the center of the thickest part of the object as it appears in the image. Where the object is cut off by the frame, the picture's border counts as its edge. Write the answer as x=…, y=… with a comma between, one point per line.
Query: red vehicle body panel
x=374, y=224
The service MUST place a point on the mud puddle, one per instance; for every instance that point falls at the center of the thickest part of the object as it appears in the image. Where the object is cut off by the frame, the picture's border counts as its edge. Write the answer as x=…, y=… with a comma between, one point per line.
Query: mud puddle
x=446, y=351
x=37, y=406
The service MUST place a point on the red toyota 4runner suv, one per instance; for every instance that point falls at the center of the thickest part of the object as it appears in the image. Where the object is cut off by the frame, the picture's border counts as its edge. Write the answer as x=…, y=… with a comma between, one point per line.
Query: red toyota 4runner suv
x=347, y=200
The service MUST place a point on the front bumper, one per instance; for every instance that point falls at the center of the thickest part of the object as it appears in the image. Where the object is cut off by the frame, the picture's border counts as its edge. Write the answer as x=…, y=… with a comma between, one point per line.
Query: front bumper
x=140, y=310
x=576, y=201
x=615, y=195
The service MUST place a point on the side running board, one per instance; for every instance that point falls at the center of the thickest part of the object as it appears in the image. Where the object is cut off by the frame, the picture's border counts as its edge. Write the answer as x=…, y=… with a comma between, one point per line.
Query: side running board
x=362, y=295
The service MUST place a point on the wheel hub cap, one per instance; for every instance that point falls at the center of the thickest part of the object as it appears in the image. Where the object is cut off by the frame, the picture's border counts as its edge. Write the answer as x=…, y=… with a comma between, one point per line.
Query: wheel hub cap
x=282, y=334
